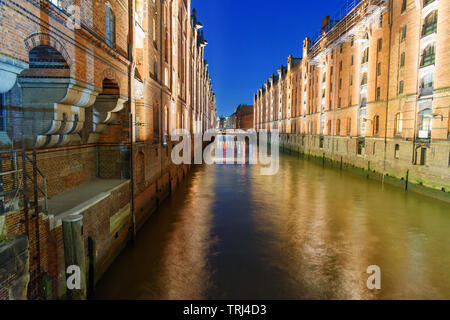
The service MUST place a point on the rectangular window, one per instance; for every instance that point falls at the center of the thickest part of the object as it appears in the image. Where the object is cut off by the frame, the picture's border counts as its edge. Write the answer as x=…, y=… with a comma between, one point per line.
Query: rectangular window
x=352, y=60
x=351, y=79
x=423, y=156
x=404, y=33
x=340, y=66
x=379, y=69
x=404, y=5
x=380, y=45
x=402, y=59
x=378, y=93
x=2, y=113
x=340, y=83
x=400, y=87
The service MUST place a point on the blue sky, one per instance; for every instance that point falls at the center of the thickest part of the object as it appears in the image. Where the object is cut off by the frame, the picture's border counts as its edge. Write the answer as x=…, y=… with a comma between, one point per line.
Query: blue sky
x=250, y=39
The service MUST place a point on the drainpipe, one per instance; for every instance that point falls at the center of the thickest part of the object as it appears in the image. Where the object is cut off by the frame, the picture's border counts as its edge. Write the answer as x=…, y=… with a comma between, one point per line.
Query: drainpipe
x=130, y=114
x=387, y=89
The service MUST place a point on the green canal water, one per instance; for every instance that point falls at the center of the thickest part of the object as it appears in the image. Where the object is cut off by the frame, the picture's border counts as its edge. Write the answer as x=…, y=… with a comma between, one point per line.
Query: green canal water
x=306, y=233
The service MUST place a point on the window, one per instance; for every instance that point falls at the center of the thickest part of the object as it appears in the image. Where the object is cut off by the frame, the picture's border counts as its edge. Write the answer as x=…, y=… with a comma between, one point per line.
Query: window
x=426, y=85
x=379, y=69
x=403, y=33
x=402, y=59
x=430, y=24
x=155, y=70
x=352, y=41
x=376, y=125
x=338, y=127
x=349, y=126
x=380, y=45
x=56, y=3
x=2, y=113
x=365, y=57
x=110, y=26
x=351, y=79
x=425, y=124
x=398, y=124
x=397, y=151
x=363, y=102
x=427, y=2
x=378, y=93
x=404, y=5
x=340, y=83
x=340, y=66
x=340, y=48
x=339, y=102
x=352, y=60
x=448, y=125
x=350, y=101
x=364, y=79
x=400, y=87
x=428, y=56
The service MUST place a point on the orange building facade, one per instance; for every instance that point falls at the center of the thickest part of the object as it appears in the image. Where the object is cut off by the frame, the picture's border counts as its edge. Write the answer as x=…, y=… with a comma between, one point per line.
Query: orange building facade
x=373, y=90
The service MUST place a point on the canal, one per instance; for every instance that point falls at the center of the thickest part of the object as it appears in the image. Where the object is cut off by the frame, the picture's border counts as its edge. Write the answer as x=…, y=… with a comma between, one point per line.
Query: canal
x=306, y=233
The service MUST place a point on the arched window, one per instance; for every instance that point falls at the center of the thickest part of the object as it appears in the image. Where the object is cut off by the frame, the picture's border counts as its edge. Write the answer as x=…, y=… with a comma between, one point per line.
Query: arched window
x=364, y=79
x=448, y=125
x=428, y=56
x=376, y=125
x=430, y=24
x=398, y=124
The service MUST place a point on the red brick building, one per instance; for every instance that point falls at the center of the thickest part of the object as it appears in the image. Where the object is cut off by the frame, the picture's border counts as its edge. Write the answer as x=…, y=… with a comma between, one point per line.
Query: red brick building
x=90, y=95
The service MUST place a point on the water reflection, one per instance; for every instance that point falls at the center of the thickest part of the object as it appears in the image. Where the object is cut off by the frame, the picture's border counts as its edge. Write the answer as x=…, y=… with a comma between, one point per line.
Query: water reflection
x=306, y=233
